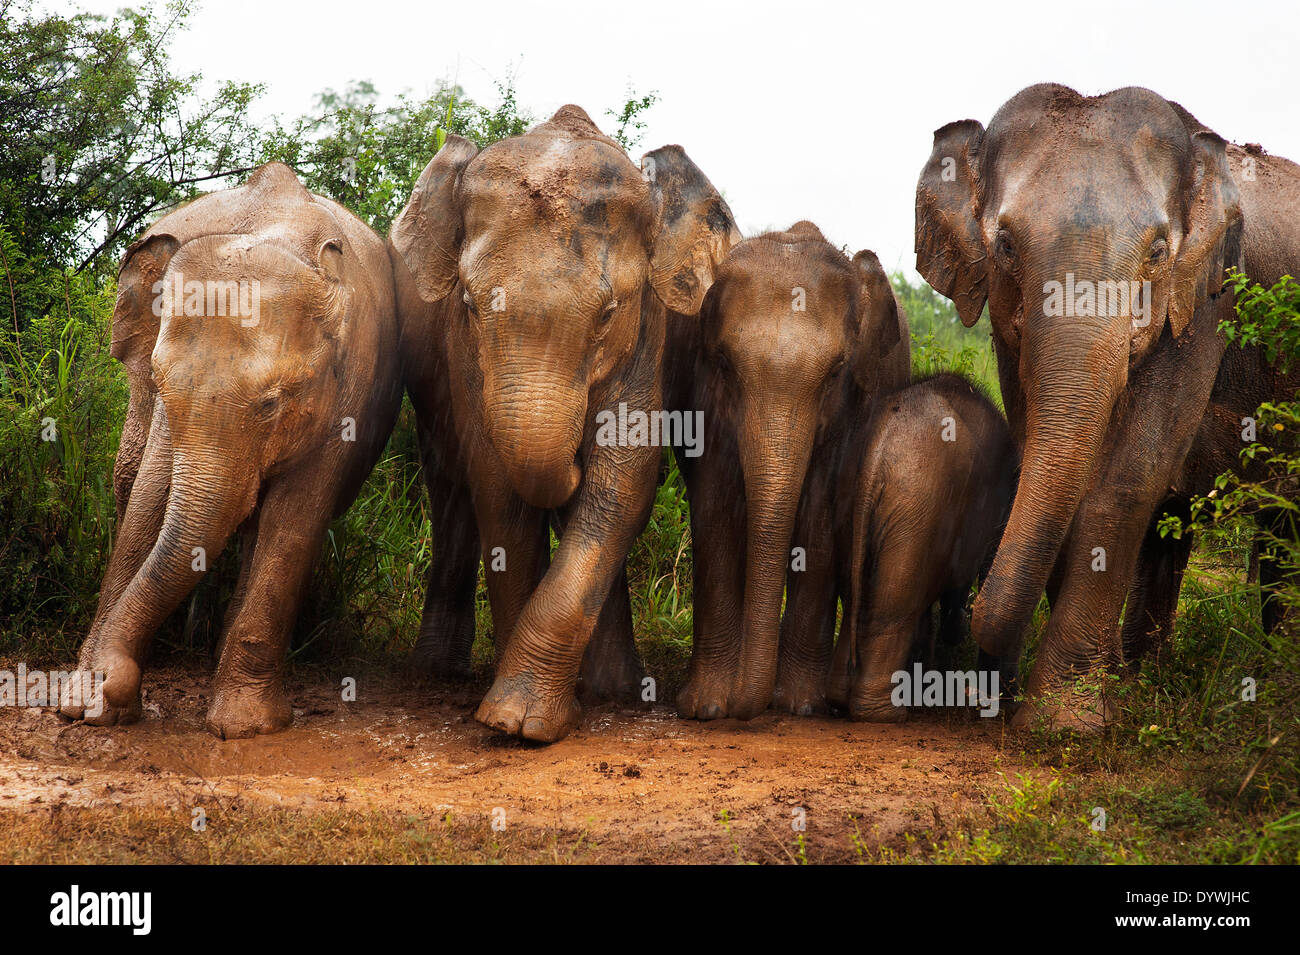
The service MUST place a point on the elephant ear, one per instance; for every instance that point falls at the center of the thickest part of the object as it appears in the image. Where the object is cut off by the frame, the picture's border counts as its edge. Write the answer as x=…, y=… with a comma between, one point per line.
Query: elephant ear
x=135, y=323
x=428, y=232
x=329, y=258
x=879, y=323
x=1212, y=232
x=950, y=251
x=695, y=231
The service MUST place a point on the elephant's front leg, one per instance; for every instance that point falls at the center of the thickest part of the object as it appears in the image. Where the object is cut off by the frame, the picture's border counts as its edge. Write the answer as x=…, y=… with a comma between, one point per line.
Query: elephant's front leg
x=141, y=522
x=1153, y=600
x=248, y=694
x=533, y=695
x=808, y=625
x=1082, y=639
x=611, y=666
x=893, y=609
x=1103, y=550
x=446, y=638
x=718, y=565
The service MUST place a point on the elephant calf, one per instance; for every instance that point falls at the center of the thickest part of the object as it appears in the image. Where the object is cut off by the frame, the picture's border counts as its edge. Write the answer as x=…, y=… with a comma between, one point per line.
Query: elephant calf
x=793, y=341
x=930, y=502
x=257, y=326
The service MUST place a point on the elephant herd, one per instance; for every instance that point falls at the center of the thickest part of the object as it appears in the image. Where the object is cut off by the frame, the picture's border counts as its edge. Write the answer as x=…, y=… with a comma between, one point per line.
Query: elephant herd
x=559, y=315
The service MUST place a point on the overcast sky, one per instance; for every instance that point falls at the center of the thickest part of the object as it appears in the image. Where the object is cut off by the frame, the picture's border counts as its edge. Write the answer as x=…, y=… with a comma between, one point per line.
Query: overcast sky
x=796, y=110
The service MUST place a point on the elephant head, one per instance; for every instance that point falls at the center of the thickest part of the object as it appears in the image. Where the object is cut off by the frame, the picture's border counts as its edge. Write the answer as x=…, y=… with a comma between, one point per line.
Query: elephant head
x=791, y=327
x=554, y=239
x=1094, y=227
x=241, y=339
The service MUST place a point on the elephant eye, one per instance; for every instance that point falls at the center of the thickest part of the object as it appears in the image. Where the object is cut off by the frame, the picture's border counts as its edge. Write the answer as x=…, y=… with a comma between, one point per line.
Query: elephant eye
x=608, y=311
x=1005, y=247
x=1158, y=253
x=469, y=301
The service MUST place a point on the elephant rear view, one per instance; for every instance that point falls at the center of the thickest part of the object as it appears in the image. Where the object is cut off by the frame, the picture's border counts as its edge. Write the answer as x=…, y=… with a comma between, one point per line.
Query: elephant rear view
x=931, y=499
x=257, y=326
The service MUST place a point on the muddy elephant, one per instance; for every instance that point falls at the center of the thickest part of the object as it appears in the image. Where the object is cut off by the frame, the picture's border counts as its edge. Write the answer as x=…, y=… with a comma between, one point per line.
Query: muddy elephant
x=794, y=340
x=258, y=329
x=1098, y=230
x=930, y=497
x=533, y=282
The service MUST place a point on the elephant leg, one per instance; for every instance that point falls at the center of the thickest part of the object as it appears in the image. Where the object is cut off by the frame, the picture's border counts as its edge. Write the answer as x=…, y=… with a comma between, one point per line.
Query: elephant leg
x=515, y=540
x=248, y=693
x=1097, y=571
x=1271, y=571
x=839, y=681
x=611, y=666
x=137, y=533
x=808, y=624
x=718, y=584
x=1082, y=636
x=1153, y=600
x=141, y=408
x=894, y=613
x=954, y=623
x=446, y=640
x=884, y=649
x=247, y=548
x=533, y=695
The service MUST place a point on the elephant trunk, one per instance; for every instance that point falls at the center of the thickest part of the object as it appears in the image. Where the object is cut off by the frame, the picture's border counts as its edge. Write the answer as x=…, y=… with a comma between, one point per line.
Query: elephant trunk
x=776, y=450
x=207, y=503
x=536, y=429
x=1074, y=369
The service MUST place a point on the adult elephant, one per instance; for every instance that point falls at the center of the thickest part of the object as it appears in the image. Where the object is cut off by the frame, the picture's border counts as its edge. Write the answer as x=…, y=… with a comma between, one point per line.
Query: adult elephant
x=1098, y=230
x=533, y=281
x=258, y=329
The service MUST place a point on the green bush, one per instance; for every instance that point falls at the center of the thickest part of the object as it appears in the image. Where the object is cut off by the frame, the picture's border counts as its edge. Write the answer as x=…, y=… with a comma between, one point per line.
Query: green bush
x=61, y=406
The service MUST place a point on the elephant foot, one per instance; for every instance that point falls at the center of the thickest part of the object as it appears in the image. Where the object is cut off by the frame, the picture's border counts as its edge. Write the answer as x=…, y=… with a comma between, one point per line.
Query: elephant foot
x=799, y=693
x=114, y=701
x=876, y=712
x=514, y=707
x=439, y=658
x=610, y=672
x=704, y=697
x=246, y=711
x=872, y=704
x=839, y=687
x=1083, y=715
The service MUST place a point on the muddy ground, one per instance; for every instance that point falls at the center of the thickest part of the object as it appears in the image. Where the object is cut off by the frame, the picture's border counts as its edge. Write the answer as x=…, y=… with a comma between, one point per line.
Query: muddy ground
x=631, y=784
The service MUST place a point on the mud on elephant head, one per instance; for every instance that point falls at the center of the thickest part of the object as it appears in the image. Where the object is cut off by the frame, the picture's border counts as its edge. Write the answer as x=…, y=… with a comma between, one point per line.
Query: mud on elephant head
x=254, y=324
x=554, y=238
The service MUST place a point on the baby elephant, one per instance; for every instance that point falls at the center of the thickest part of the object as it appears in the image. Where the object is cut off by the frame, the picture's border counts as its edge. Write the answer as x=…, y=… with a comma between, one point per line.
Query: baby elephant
x=931, y=498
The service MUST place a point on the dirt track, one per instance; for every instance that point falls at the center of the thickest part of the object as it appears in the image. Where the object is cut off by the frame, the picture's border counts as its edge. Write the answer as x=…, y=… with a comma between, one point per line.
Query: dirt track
x=638, y=783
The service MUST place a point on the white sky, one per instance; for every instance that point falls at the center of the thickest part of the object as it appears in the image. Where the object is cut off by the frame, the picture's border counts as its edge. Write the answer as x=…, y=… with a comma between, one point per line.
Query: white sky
x=796, y=110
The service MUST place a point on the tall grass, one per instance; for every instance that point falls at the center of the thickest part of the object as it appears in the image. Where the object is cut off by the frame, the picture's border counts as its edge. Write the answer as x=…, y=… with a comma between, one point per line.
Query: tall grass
x=61, y=405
